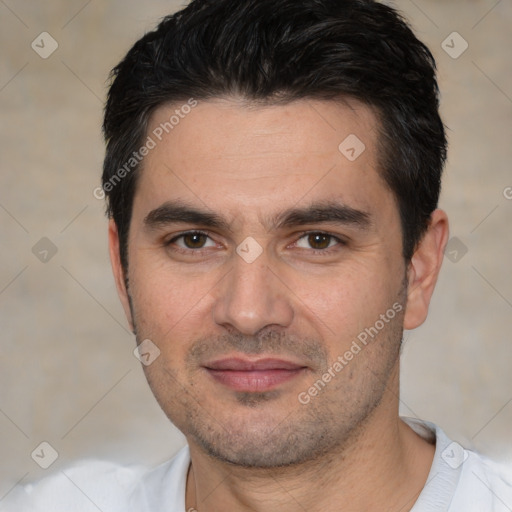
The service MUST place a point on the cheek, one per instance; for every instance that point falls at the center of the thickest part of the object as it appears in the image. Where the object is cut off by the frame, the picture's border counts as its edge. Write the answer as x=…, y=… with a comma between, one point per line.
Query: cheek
x=165, y=301
x=345, y=300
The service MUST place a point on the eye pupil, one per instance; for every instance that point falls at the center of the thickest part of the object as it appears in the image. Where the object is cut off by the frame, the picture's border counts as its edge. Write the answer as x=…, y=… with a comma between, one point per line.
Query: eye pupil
x=194, y=240
x=319, y=240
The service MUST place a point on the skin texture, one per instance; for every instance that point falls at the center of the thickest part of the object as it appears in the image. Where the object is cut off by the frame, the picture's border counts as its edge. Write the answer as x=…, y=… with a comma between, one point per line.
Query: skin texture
x=198, y=300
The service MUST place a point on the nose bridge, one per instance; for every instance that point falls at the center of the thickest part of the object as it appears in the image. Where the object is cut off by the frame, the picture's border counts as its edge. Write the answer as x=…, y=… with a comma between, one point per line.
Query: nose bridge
x=251, y=297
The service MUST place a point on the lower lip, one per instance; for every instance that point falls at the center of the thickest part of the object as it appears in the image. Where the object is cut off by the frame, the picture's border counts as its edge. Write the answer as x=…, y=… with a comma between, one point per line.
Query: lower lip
x=254, y=380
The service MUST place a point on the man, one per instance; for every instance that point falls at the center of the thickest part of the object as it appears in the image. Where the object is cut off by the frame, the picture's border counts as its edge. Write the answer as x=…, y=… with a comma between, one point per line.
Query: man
x=272, y=176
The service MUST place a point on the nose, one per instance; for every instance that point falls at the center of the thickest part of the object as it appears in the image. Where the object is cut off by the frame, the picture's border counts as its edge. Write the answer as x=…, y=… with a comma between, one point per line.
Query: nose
x=252, y=297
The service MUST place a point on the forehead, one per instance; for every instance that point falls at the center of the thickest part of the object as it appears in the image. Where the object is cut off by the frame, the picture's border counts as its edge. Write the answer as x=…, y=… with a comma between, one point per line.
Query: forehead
x=231, y=155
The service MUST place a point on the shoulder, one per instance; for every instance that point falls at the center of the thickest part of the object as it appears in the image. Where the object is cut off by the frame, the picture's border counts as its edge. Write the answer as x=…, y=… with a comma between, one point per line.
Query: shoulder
x=92, y=485
x=461, y=480
x=484, y=484
x=87, y=485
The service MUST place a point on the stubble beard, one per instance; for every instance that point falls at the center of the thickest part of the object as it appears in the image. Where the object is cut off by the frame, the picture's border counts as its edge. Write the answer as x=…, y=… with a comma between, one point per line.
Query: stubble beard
x=323, y=428
x=267, y=439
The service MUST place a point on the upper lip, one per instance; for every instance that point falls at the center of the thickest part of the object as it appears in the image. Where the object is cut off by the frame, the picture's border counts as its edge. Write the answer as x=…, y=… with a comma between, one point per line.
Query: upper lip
x=247, y=365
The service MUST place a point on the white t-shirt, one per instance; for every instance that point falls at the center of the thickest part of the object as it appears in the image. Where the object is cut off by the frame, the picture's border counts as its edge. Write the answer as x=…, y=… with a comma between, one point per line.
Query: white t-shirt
x=459, y=481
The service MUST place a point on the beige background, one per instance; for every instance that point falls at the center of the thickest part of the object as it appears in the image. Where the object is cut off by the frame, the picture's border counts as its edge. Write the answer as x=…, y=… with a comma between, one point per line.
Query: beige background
x=68, y=375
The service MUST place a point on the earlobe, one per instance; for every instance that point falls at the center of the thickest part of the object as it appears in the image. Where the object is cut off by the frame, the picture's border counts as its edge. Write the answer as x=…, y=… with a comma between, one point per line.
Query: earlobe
x=424, y=268
x=119, y=271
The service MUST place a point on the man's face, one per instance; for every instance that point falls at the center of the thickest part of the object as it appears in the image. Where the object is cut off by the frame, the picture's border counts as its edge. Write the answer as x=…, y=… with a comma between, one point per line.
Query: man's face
x=252, y=311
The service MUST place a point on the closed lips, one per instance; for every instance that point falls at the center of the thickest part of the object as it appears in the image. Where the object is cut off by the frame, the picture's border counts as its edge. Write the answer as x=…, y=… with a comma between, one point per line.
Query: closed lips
x=242, y=365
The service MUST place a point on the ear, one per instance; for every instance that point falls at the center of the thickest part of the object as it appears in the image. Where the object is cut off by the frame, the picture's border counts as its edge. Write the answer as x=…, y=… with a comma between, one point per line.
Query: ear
x=117, y=269
x=424, y=269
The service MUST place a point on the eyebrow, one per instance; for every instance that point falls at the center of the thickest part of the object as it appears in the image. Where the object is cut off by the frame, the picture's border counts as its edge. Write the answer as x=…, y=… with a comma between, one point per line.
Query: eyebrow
x=180, y=213
x=324, y=212
x=175, y=212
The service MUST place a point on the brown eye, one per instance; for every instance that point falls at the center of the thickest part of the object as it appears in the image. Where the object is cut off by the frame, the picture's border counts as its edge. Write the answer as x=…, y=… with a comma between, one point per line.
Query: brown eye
x=319, y=240
x=194, y=240
x=190, y=241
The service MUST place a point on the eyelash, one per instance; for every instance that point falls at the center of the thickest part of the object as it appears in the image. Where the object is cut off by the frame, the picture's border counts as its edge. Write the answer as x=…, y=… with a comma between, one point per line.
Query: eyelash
x=340, y=242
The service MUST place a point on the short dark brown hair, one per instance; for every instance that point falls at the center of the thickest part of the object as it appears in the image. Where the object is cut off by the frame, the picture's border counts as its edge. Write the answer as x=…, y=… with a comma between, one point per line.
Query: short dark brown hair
x=280, y=51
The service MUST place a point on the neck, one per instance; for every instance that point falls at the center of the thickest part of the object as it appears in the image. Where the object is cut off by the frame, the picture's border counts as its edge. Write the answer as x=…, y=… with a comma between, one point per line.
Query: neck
x=383, y=466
